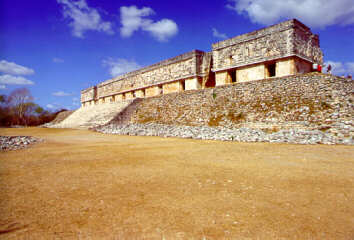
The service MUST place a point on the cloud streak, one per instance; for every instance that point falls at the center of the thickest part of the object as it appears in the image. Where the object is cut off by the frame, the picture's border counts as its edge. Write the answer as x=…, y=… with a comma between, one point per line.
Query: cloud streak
x=83, y=18
x=61, y=94
x=315, y=13
x=134, y=19
x=217, y=34
x=120, y=66
x=14, y=69
x=58, y=60
x=14, y=80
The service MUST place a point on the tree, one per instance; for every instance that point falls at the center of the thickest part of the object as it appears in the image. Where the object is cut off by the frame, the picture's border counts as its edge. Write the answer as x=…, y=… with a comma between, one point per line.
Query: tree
x=29, y=108
x=5, y=117
x=18, y=100
x=2, y=98
x=39, y=110
x=18, y=108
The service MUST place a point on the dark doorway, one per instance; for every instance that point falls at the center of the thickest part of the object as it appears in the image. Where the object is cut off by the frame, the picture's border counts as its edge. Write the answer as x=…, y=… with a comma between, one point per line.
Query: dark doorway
x=271, y=70
x=232, y=75
x=211, y=80
x=183, y=84
x=160, y=89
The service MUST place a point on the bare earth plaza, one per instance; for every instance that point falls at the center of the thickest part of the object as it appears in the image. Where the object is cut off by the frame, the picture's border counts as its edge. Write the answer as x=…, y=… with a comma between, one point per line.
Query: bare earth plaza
x=247, y=141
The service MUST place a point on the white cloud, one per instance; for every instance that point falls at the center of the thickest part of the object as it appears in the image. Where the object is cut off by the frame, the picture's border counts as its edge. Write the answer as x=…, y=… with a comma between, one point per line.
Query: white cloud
x=83, y=18
x=50, y=106
x=162, y=30
x=339, y=68
x=133, y=19
x=217, y=34
x=13, y=68
x=315, y=13
x=58, y=60
x=54, y=106
x=2, y=87
x=120, y=66
x=14, y=80
x=61, y=94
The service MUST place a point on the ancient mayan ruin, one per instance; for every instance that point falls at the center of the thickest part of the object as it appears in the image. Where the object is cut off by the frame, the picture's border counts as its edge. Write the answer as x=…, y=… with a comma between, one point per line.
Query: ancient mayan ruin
x=284, y=49
x=261, y=86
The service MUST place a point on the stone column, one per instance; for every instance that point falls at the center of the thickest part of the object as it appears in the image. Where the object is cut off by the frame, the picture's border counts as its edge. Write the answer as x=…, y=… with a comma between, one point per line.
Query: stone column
x=129, y=95
x=251, y=73
x=152, y=91
x=285, y=67
x=222, y=78
x=140, y=93
x=172, y=87
x=119, y=98
x=192, y=84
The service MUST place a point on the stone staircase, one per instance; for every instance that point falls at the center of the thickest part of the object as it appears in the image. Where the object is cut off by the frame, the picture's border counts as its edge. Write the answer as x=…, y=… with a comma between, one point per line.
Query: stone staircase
x=93, y=116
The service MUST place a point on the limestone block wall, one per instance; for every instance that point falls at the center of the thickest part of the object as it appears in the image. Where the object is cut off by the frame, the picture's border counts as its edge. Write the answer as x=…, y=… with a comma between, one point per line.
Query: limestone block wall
x=259, y=46
x=289, y=38
x=193, y=83
x=174, y=69
x=88, y=94
x=306, y=44
x=253, y=72
x=153, y=91
x=285, y=67
x=308, y=101
x=222, y=78
x=140, y=93
x=172, y=87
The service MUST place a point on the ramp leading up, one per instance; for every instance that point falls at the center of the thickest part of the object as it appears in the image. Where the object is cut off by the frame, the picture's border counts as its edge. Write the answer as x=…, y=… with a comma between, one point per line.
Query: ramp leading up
x=93, y=116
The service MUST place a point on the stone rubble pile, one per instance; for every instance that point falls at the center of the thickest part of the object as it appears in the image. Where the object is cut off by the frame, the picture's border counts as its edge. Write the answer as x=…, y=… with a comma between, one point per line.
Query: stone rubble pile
x=17, y=142
x=227, y=134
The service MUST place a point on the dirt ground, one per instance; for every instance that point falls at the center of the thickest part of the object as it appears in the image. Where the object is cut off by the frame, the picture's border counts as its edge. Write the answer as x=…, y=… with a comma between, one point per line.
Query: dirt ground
x=84, y=185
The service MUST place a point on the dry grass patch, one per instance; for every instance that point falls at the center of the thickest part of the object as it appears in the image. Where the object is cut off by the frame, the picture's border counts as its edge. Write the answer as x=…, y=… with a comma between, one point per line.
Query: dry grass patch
x=85, y=185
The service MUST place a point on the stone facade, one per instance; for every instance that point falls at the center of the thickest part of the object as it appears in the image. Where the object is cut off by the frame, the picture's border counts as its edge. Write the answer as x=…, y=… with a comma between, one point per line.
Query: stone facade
x=280, y=50
x=305, y=102
x=284, y=49
x=165, y=77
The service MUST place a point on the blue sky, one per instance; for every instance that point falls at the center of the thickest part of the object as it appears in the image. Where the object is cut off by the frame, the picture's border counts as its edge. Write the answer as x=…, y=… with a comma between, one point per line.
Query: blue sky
x=58, y=47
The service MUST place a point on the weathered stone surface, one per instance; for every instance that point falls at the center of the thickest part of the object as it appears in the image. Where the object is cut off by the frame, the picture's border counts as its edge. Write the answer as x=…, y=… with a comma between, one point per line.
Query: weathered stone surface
x=92, y=116
x=282, y=40
x=261, y=93
x=174, y=69
x=290, y=46
x=59, y=118
x=308, y=102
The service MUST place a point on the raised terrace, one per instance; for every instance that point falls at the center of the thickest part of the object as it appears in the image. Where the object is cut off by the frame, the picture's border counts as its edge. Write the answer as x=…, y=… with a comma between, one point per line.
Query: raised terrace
x=284, y=49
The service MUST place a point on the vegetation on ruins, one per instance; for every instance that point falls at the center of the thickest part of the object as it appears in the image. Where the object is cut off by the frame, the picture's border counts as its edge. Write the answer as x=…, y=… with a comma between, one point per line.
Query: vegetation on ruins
x=18, y=108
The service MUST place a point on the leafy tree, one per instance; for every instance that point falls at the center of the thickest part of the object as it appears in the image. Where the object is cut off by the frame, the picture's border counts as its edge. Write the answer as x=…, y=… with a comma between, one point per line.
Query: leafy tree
x=39, y=110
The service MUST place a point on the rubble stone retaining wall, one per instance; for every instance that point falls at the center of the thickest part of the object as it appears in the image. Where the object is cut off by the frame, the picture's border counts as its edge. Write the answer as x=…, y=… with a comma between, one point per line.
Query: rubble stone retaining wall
x=307, y=102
